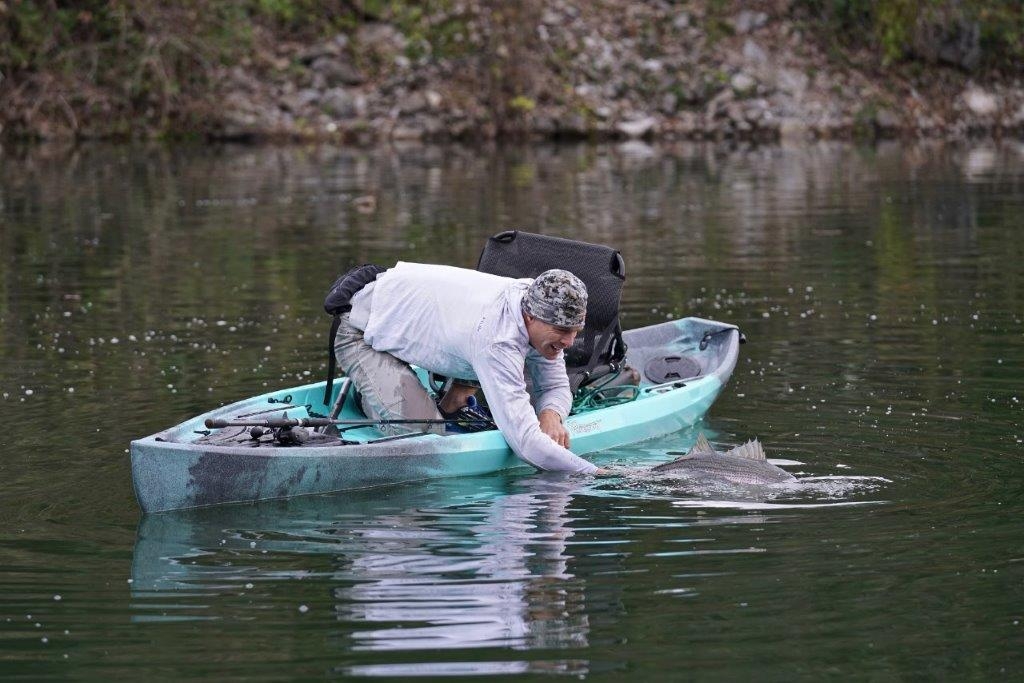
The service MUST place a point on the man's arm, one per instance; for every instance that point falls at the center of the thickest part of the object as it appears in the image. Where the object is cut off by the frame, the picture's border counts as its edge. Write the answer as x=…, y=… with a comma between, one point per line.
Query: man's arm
x=551, y=395
x=499, y=367
x=550, y=384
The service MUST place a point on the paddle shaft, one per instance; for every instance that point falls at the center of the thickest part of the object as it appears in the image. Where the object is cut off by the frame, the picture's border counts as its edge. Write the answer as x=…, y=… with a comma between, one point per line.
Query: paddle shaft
x=279, y=422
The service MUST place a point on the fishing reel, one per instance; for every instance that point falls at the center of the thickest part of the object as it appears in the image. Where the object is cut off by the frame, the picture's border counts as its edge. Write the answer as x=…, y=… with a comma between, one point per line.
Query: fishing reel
x=295, y=436
x=281, y=436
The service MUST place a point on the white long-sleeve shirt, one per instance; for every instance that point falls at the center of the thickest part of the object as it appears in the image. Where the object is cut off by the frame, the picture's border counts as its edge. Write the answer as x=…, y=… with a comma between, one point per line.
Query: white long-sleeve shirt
x=469, y=325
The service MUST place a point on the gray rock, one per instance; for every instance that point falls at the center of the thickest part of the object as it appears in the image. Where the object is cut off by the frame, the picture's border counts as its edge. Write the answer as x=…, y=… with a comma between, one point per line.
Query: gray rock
x=381, y=38
x=407, y=133
x=297, y=101
x=573, y=125
x=342, y=104
x=793, y=129
x=544, y=125
x=461, y=129
x=240, y=116
x=754, y=53
x=687, y=124
x=413, y=103
x=735, y=112
x=887, y=120
x=1017, y=119
x=743, y=84
x=748, y=21
x=957, y=43
x=769, y=123
x=980, y=102
x=925, y=123
x=335, y=71
x=756, y=111
x=792, y=82
x=335, y=47
x=433, y=126
x=694, y=93
x=637, y=128
x=717, y=102
x=669, y=103
x=681, y=21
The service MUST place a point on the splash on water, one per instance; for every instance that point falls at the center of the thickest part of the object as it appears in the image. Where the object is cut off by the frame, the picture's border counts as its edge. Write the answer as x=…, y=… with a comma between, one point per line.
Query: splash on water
x=685, y=491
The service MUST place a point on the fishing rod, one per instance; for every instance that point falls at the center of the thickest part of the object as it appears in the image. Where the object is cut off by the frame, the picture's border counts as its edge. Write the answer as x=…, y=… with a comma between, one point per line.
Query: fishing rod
x=286, y=422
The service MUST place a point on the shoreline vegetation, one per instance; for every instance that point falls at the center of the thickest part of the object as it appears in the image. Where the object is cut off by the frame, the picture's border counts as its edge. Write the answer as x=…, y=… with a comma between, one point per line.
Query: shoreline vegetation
x=366, y=71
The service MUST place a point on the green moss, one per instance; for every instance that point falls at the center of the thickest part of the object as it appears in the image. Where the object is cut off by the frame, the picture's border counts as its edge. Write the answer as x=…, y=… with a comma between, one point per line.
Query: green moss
x=716, y=20
x=864, y=120
x=521, y=103
x=891, y=24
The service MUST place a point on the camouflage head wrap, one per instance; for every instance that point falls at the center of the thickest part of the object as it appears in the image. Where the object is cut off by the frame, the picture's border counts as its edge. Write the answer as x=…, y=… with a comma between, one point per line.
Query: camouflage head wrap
x=557, y=297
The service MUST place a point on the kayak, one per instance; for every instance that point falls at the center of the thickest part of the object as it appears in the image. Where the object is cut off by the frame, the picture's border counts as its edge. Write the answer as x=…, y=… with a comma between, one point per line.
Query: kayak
x=226, y=456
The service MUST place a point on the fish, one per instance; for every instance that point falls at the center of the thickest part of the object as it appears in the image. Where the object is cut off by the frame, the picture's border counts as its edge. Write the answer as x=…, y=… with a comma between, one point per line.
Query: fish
x=744, y=464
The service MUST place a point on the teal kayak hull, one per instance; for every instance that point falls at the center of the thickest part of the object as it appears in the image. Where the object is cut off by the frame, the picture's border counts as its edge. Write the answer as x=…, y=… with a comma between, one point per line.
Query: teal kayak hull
x=170, y=471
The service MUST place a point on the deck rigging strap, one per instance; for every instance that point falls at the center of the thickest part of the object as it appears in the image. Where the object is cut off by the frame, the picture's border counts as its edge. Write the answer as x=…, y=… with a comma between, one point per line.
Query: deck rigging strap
x=603, y=393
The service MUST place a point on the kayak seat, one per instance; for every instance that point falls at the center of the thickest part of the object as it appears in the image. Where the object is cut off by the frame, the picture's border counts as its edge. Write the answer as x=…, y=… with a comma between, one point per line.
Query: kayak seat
x=598, y=349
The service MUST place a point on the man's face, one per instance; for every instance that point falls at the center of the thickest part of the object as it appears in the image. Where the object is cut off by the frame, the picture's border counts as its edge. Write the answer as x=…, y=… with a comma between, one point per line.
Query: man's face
x=548, y=339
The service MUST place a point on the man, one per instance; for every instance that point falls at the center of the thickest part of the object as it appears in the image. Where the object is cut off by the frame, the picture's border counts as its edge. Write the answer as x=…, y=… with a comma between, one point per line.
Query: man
x=469, y=325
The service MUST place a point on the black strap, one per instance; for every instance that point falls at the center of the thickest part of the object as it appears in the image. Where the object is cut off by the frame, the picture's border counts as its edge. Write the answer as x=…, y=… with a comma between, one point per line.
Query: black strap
x=580, y=375
x=338, y=301
x=332, y=362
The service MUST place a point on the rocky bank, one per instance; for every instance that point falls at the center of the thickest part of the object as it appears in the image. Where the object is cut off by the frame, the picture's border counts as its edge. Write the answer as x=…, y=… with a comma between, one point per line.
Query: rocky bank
x=568, y=69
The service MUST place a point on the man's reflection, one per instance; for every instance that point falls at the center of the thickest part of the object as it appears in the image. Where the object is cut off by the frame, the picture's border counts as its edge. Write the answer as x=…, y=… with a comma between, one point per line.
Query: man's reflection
x=502, y=580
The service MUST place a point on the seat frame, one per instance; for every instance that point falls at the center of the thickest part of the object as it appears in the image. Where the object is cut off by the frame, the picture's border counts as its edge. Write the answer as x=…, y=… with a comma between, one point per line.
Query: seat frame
x=599, y=348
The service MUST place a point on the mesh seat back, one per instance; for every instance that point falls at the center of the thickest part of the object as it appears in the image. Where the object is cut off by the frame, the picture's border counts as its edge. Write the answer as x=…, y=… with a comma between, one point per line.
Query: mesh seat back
x=521, y=254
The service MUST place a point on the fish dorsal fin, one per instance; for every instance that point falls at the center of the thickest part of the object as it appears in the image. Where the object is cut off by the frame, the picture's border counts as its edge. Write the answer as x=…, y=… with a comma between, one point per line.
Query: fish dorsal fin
x=702, y=446
x=751, y=450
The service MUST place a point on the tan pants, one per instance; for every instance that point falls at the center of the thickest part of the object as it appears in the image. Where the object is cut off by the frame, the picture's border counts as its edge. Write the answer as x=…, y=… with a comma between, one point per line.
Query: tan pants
x=390, y=389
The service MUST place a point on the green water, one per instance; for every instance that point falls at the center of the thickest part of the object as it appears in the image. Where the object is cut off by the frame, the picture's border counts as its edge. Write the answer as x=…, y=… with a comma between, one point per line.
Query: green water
x=882, y=290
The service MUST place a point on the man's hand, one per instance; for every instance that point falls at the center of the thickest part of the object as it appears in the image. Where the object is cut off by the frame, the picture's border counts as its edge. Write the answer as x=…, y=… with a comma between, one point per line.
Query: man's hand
x=551, y=424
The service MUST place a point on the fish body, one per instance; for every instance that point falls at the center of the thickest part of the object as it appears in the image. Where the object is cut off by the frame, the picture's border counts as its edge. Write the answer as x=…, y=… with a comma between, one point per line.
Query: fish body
x=744, y=464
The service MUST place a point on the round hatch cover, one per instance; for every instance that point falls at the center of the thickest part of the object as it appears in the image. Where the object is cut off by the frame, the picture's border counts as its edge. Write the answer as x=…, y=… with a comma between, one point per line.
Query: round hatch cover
x=671, y=368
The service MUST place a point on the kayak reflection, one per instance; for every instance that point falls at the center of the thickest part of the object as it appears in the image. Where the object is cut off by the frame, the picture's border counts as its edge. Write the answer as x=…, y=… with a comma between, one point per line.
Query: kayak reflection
x=473, y=562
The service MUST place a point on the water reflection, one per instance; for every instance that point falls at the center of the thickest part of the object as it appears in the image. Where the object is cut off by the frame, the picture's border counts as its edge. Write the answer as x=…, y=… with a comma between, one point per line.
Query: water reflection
x=502, y=580
x=479, y=562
